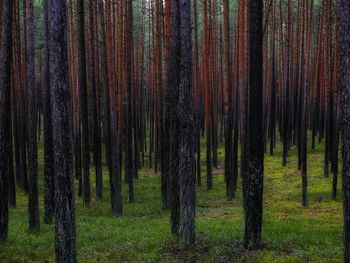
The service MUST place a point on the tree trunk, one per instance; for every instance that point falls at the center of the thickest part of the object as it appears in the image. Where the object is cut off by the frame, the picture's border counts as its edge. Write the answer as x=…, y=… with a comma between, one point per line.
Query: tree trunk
x=33, y=200
x=229, y=176
x=344, y=33
x=129, y=160
x=166, y=111
x=253, y=180
x=93, y=70
x=115, y=181
x=48, y=143
x=10, y=168
x=186, y=122
x=5, y=89
x=65, y=248
x=83, y=103
x=207, y=89
x=172, y=82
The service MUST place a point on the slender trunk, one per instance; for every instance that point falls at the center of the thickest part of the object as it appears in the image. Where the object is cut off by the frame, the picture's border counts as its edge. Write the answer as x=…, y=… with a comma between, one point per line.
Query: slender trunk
x=5, y=89
x=33, y=200
x=93, y=71
x=129, y=156
x=173, y=81
x=115, y=181
x=83, y=103
x=10, y=167
x=229, y=176
x=207, y=89
x=344, y=33
x=167, y=99
x=48, y=143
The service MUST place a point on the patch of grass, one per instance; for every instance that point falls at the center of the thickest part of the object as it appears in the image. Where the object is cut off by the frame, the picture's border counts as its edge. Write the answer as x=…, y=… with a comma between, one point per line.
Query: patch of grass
x=291, y=233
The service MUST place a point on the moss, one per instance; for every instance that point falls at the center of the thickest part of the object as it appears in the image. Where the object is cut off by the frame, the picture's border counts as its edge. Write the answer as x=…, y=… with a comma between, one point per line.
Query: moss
x=291, y=233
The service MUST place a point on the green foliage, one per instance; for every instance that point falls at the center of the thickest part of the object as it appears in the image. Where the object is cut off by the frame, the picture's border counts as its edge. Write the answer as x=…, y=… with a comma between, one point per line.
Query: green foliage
x=291, y=233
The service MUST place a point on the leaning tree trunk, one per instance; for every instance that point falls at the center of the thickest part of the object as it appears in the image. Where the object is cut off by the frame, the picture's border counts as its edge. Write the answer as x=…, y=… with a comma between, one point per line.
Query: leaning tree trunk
x=65, y=249
x=5, y=89
x=344, y=33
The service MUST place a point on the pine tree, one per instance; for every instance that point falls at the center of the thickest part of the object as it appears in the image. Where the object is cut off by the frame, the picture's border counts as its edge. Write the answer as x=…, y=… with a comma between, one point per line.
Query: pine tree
x=5, y=89
x=344, y=36
x=65, y=249
x=33, y=200
x=253, y=179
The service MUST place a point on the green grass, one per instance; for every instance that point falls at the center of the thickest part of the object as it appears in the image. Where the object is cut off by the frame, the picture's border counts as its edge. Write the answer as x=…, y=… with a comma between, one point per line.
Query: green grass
x=291, y=233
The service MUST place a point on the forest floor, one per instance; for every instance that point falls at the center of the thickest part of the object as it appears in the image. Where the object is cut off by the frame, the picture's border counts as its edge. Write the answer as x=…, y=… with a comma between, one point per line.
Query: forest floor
x=291, y=233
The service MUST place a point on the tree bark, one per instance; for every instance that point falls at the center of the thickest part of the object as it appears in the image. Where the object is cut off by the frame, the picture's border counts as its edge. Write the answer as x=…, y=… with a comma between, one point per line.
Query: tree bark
x=115, y=180
x=229, y=175
x=187, y=131
x=65, y=248
x=48, y=138
x=253, y=179
x=129, y=160
x=33, y=198
x=344, y=40
x=83, y=103
x=5, y=89
x=171, y=100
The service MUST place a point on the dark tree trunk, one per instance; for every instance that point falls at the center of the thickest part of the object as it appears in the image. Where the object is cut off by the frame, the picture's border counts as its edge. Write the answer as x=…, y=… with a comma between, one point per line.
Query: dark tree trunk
x=129, y=156
x=344, y=33
x=16, y=135
x=335, y=117
x=5, y=107
x=82, y=82
x=65, y=248
x=167, y=110
x=115, y=181
x=172, y=83
x=33, y=200
x=24, y=107
x=335, y=159
x=229, y=174
x=208, y=97
x=48, y=139
x=209, y=158
x=105, y=85
x=235, y=153
x=286, y=98
x=76, y=108
x=95, y=100
x=198, y=149
x=253, y=179
x=10, y=168
x=272, y=124
x=187, y=131
x=328, y=88
x=23, y=143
